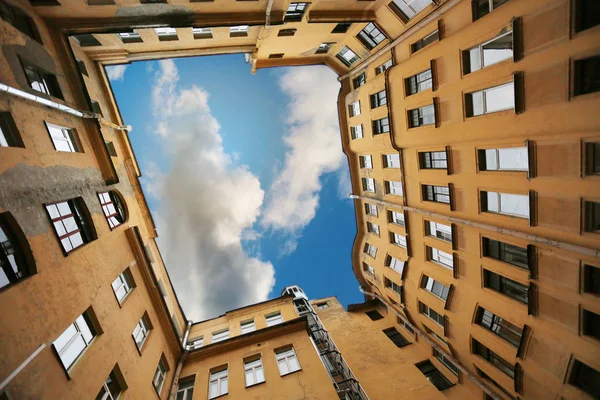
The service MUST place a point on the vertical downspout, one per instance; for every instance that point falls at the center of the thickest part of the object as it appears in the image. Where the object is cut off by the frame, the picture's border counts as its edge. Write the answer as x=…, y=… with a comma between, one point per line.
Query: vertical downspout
x=175, y=384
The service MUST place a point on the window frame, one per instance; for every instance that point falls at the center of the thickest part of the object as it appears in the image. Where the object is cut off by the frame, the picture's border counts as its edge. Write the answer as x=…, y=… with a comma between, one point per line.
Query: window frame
x=431, y=230
x=9, y=132
x=371, y=38
x=364, y=164
x=393, y=220
x=82, y=219
x=286, y=355
x=359, y=80
x=114, y=208
x=381, y=126
x=341, y=56
x=225, y=335
x=434, y=375
x=126, y=281
x=18, y=247
x=247, y=326
x=493, y=358
x=143, y=326
x=253, y=365
x=368, y=184
x=418, y=117
x=436, y=288
x=354, y=109
x=425, y=41
x=396, y=337
x=297, y=13
x=433, y=315
x=413, y=83
x=115, y=375
x=69, y=137
x=466, y=60
x=373, y=228
x=501, y=286
x=484, y=202
x=436, y=194
x=370, y=250
x=160, y=373
x=188, y=389
x=482, y=159
x=477, y=15
x=51, y=86
x=274, y=318
x=470, y=111
x=428, y=160
x=87, y=320
x=394, y=188
x=378, y=99
x=436, y=258
x=498, y=325
x=356, y=132
x=383, y=67
x=166, y=34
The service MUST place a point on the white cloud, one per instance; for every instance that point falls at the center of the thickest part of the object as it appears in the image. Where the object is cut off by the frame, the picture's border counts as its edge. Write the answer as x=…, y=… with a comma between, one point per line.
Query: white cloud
x=207, y=205
x=116, y=72
x=314, y=148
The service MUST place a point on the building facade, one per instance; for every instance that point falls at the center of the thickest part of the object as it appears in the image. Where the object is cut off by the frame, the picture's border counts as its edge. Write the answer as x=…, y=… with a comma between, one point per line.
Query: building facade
x=471, y=132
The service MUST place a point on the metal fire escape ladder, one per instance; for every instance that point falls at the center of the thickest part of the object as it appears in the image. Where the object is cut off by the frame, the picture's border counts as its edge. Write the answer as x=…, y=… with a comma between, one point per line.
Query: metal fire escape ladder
x=344, y=381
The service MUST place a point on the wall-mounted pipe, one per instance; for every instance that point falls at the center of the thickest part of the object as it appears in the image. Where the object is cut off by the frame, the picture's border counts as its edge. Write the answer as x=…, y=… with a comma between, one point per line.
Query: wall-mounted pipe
x=61, y=107
x=585, y=251
x=25, y=363
x=175, y=383
x=462, y=369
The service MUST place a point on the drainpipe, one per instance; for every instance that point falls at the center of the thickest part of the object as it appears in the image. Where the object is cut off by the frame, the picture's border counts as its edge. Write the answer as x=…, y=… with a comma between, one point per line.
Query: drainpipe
x=585, y=251
x=462, y=369
x=61, y=107
x=175, y=384
x=5, y=382
x=268, y=15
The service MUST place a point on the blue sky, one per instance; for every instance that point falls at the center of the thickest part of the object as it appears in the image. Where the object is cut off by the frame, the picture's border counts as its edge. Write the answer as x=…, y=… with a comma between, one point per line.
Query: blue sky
x=245, y=177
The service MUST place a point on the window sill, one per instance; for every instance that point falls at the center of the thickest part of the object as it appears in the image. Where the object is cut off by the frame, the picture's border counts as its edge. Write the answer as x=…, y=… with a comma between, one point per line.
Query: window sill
x=256, y=384
x=291, y=373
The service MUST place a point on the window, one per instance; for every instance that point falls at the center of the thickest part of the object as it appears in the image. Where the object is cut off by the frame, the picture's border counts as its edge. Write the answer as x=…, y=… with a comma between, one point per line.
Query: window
x=122, y=285
x=433, y=160
x=391, y=160
x=368, y=184
x=371, y=209
x=440, y=257
x=342, y=27
x=20, y=20
x=405, y=325
x=286, y=32
x=378, y=99
x=71, y=223
x=16, y=260
x=274, y=318
x=254, y=372
x=439, y=231
x=396, y=337
x=493, y=382
x=359, y=80
x=373, y=228
x=111, y=389
x=439, y=194
x=218, y=384
x=87, y=40
x=9, y=134
x=41, y=80
x=322, y=306
x=503, y=159
x=141, y=331
x=64, y=139
x=397, y=218
x=166, y=34
x=238, y=31
x=276, y=55
x=501, y=327
x=195, y=343
x=421, y=116
x=587, y=14
x=591, y=324
x=130, y=37
x=347, y=56
x=591, y=279
x=489, y=53
x=592, y=157
x=419, y=82
x=435, y=288
x=491, y=100
x=587, y=76
x=484, y=7
x=324, y=48
x=398, y=240
x=354, y=109
x=75, y=339
x=592, y=216
x=393, y=286
x=202, y=33
x=381, y=126
x=441, y=358
x=287, y=361
x=407, y=9
x=160, y=374
x=366, y=161
x=433, y=375
x=585, y=378
x=219, y=336
x=356, y=132
x=506, y=286
x=370, y=250
x=431, y=314
x=247, y=326
x=185, y=391
x=395, y=264
x=494, y=358
x=370, y=36
x=368, y=269
x=435, y=335
x=295, y=12
x=381, y=69
x=506, y=252
x=426, y=41
x=374, y=315
x=113, y=207
x=393, y=187
x=516, y=205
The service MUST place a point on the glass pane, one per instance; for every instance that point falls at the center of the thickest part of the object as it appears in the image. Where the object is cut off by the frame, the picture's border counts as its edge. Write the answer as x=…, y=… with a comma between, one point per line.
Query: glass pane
x=492, y=201
x=224, y=385
x=491, y=160
x=66, y=336
x=70, y=224
x=84, y=329
x=500, y=98
x=72, y=351
x=477, y=100
x=514, y=204
x=62, y=145
x=514, y=158
x=63, y=208
x=249, y=378
x=76, y=240
x=214, y=389
x=294, y=363
x=474, y=59
x=283, y=368
x=260, y=376
x=66, y=243
x=498, y=50
x=103, y=395
x=59, y=228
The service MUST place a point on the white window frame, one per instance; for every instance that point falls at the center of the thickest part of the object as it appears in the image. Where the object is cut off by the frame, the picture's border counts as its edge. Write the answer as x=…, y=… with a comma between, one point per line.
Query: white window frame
x=247, y=326
x=219, y=336
x=141, y=331
x=220, y=380
x=481, y=53
x=391, y=160
x=274, y=318
x=381, y=68
x=109, y=209
x=202, y=31
x=356, y=132
x=373, y=228
x=366, y=161
x=442, y=258
x=484, y=99
x=128, y=35
x=287, y=358
x=409, y=8
x=438, y=231
x=397, y=218
x=371, y=209
x=367, y=268
x=62, y=138
x=122, y=284
x=349, y=56
x=370, y=250
x=79, y=332
x=493, y=159
x=395, y=264
x=368, y=185
x=394, y=188
x=399, y=240
x=239, y=29
x=496, y=199
x=107, y=392
x=255, y=369
x=165, y=32
x=186, y=389
x=195, y=343
x=355, y=109
x=436, y=288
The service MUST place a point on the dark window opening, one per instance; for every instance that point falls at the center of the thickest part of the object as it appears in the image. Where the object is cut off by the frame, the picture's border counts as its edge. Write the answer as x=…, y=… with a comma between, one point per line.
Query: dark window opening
x=9, y=134
x=16, y=260
x=592, y=158
x=96, y=107
x=276, y=55
x=433, y=160
x=591, y=279
x=421, y=116
x=591, y=324
x=426, y=41
x=381, y=126
x=287, y=32
x=396, y=337
x=41, y=80
x=86, y=40
x=494, y=359
x=374, y=315
x=506, y=286
x=371, y=36
x=82, y=68
x=110, y=147
x=585, y=378
x=20, y=20
x=295, y=12
x=359, y=80
x=342, y=27
x=378, y=99
x=484, y=7
x=324, y=48
x=592, y=216
x=501, y=327
x=587, y=76
x=587, y=14
x=506, y=252
x=439, y=194
x=434, y=376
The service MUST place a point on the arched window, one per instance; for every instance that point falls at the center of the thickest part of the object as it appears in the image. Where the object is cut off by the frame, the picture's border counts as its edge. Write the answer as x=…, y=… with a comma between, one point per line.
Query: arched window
x=16, y=260
x=113, y=207
x=72, y=223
